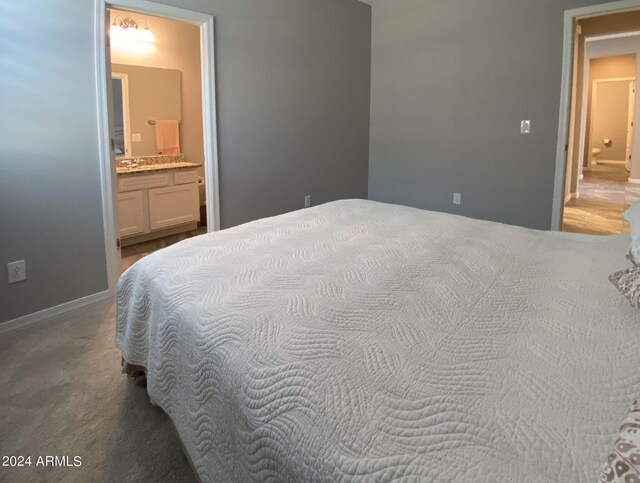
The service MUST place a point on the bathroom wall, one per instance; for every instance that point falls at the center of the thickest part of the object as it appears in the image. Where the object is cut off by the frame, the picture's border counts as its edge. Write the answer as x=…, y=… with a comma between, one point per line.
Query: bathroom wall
x=613, y=102
x=176, y=45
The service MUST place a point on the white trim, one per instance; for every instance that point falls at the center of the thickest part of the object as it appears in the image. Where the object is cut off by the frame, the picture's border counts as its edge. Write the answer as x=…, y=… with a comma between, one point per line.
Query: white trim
x=571, y=196
x=616, y=79
x=611, y=161
x=107, y=168
x=584, y=103
x=573, y=122
x=50, y=313
x=603, y=9
x=207, y=39
x=210, y=123
x=563, y=125
x=570, y=17
x=587, y=137
x=620, y=35
x=633, y=181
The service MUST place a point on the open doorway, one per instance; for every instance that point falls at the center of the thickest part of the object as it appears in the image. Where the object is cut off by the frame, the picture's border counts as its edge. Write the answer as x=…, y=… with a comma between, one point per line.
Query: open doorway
x=610, y=132
x=157, y=127
x=157, y=113
x=599, y=182
x=600, y=159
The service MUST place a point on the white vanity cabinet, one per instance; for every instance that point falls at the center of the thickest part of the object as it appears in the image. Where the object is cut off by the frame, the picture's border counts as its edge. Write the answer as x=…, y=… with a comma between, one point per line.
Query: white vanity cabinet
x=131, y=213
x=157, y=204
x=173, y=205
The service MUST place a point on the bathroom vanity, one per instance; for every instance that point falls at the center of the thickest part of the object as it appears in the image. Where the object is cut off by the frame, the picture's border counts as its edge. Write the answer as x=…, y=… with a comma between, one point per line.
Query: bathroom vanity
x=157, y=197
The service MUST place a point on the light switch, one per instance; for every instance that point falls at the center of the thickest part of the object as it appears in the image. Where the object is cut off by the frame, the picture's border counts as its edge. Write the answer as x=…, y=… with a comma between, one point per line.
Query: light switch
x=525, y=127
x=136, y=138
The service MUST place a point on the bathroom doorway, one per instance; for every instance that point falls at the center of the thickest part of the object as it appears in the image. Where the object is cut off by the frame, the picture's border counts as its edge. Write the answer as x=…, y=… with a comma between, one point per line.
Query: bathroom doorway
x=158, y=119
x=599, y=182
x=610, y=136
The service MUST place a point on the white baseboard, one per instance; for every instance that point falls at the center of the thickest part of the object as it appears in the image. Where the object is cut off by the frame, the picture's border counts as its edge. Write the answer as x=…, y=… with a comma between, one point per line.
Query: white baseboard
x=633, y=181
x=571, y=196
x=611, y=161
x=50, y=313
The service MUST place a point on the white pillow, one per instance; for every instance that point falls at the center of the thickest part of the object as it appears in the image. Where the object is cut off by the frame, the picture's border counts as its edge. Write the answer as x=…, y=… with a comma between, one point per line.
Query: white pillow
x=632, y=215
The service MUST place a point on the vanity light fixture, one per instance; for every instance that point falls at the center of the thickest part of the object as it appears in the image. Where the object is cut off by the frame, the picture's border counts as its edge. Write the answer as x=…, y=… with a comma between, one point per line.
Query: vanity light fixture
x=131, y=29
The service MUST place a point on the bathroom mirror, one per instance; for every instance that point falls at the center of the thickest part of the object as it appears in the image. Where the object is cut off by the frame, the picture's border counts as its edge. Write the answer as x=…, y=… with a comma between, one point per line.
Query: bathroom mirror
x=142, y=94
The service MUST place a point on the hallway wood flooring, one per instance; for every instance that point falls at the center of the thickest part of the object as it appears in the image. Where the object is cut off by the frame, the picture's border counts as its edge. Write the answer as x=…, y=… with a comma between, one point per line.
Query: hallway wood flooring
x=604, y=195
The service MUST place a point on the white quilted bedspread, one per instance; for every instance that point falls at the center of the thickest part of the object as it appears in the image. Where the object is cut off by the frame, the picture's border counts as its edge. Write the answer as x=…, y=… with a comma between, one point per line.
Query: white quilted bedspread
x=359, y=341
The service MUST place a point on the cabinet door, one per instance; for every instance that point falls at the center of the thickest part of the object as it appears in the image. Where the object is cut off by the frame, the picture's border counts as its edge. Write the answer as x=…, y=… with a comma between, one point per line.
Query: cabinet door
x=131, y=213
x=173, y=205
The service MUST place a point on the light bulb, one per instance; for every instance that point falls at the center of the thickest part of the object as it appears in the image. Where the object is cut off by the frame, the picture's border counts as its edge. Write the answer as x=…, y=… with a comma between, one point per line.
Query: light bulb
x=146, y=35
x=115, y=32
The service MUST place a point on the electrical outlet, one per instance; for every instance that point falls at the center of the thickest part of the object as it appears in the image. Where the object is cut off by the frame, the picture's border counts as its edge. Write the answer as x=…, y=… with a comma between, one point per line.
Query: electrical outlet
x=136, y=138
x=457, y=198
x=307, y=201
x=525, y=127
x=16, y=271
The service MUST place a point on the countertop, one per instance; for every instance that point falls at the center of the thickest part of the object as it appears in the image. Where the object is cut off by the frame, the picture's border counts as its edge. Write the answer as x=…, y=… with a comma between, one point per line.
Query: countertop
x=153, y=168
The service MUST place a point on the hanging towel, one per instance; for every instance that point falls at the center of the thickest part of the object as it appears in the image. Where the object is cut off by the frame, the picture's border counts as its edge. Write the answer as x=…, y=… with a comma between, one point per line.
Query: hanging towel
x=167, y=136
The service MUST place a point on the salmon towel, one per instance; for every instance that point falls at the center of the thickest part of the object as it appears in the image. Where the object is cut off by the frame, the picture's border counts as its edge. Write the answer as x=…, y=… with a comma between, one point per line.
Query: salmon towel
x=167, y=136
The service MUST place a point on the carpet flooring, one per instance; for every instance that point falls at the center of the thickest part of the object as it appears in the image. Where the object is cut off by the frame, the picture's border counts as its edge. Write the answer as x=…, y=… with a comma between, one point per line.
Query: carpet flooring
x=63, y=394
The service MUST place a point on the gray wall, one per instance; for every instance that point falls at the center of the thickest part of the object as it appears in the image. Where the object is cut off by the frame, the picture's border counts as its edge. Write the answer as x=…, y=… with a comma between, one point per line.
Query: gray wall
x=293, y=93
x=451, y=81
x=50, y=201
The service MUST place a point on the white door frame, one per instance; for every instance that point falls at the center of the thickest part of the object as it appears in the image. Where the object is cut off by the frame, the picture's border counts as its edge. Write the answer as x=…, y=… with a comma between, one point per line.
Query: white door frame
x=570, y=18
x=631, y=115
x=107, y=169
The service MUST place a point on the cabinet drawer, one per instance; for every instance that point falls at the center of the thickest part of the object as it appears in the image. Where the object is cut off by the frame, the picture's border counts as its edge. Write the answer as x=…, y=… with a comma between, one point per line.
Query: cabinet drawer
x=173, y=205
x=132, y=183
x=183, y=177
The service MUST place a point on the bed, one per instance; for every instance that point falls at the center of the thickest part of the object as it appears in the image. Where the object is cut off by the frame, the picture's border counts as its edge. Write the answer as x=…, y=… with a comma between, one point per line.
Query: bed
x=362, y=341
